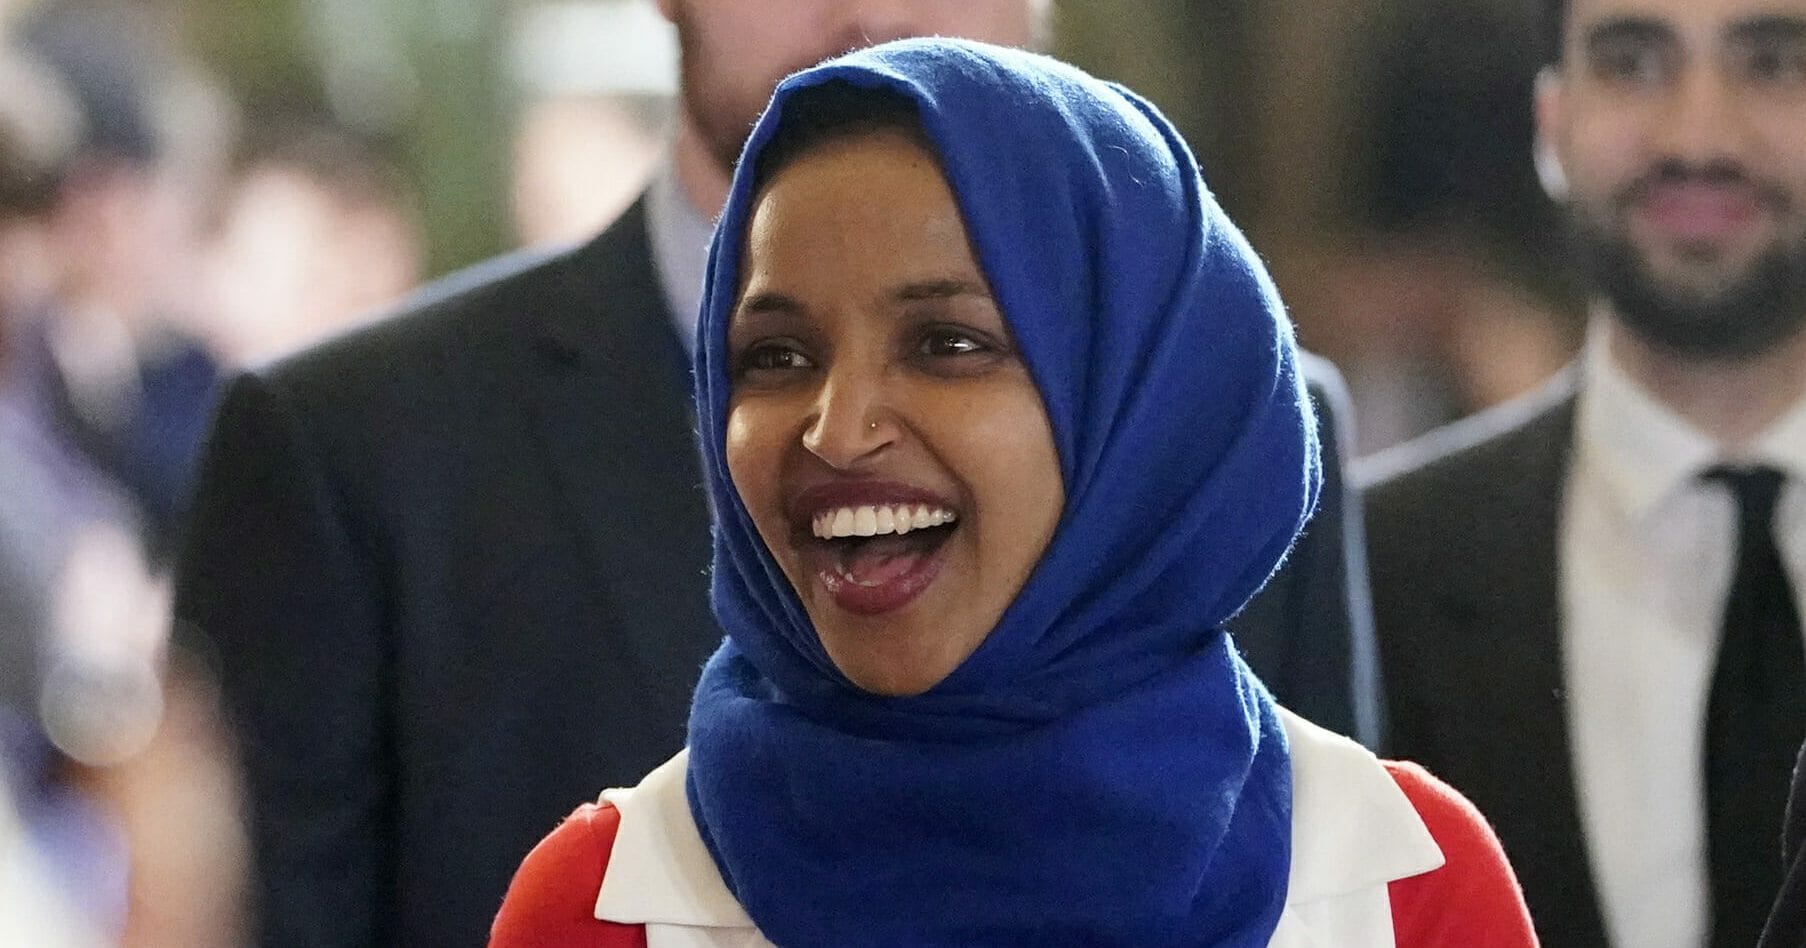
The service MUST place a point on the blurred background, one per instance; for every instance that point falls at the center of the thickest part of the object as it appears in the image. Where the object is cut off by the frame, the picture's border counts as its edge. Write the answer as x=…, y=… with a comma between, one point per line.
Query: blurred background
x=189, y=186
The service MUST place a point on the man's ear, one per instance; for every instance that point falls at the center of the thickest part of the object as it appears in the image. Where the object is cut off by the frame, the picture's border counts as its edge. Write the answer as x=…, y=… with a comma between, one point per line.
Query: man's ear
x=1551, y=94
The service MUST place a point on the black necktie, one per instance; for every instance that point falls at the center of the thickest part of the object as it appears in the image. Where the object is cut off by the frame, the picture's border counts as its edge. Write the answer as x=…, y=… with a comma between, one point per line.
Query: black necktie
x=1755, y=717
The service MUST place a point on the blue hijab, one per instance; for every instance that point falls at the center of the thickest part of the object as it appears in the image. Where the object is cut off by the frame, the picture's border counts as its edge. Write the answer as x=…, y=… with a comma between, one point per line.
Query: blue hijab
x=1103, y=769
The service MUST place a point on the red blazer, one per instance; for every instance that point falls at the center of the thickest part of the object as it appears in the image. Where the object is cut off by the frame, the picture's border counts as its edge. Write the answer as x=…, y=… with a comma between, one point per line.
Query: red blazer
x=1473, y=901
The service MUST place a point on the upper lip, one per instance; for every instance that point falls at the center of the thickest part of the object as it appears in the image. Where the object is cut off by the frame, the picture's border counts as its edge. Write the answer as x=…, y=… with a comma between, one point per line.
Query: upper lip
x=1720, y=190
x=834, y=495
x=1719, y=186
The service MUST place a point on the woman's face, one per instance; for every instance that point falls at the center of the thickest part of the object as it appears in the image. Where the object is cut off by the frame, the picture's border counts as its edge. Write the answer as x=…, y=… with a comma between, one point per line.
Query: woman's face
x=883, y=432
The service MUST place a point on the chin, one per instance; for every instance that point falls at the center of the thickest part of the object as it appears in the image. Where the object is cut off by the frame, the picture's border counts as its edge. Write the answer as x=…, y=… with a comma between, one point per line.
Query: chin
x=895, y=689
x=891, y=672
x=886, y=682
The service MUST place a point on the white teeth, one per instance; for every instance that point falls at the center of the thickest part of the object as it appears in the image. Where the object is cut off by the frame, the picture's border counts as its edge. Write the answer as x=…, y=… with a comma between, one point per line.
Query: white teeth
x=925, y=517
x=868, y=521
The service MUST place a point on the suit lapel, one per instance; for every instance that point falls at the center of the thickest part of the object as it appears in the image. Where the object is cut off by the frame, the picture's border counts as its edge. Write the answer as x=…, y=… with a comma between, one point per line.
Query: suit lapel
x=611, y=385
x=1511, y=603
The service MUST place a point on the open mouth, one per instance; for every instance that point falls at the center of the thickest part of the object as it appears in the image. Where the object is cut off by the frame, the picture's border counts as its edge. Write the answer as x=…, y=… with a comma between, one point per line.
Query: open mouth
x=874, y=558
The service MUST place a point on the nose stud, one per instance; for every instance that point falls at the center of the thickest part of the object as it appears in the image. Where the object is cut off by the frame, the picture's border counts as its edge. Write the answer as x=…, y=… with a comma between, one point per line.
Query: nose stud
x=872, y=425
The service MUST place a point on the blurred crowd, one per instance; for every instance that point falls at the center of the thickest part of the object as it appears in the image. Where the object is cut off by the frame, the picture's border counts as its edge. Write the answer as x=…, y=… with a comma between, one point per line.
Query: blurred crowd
x=151, y=238
x=156, y=234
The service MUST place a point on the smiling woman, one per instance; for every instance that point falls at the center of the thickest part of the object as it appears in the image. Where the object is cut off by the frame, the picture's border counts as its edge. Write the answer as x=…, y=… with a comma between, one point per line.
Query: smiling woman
x=883, y=432
x=1002, y=422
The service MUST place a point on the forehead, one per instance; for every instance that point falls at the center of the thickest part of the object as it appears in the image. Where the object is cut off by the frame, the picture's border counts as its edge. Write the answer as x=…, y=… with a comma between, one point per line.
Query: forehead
x=875, y=196
x=1684, y=17
x=864, y=168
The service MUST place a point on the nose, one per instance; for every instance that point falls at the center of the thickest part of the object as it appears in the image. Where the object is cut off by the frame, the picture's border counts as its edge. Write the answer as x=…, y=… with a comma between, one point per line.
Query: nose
x=1702, y=120
x=851, y=423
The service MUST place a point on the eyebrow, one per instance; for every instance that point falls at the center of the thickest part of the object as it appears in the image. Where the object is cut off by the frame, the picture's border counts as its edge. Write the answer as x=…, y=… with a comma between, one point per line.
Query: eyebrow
x=780, y=304
x=938, y=290
x=764, y=303
x=1625, y=29
x=1768, y=28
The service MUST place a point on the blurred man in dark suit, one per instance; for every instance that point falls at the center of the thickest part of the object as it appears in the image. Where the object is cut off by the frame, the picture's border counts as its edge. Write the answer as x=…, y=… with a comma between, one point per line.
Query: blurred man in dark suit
x=1586, y=602
x=450, y=568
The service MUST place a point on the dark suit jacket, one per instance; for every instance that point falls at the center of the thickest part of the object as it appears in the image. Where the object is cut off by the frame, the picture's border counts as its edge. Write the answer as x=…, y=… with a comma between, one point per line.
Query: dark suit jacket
x=1787, y=923
x=437, y=561
x=1310, y=631
x=1463, y=528
x=450, y=573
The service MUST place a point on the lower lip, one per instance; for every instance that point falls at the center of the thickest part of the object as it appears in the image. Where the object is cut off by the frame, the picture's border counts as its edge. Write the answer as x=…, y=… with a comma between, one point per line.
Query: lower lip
x=888, y=596
x=1699, y=212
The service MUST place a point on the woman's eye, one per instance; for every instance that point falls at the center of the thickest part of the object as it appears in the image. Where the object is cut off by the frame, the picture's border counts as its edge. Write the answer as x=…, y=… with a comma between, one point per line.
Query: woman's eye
x=954, y=351
x=949, y=342
x=772, y=357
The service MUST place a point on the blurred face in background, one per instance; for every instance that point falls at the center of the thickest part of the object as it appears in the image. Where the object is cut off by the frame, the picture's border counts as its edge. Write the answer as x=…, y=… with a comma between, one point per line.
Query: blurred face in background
x=122, y=238
x=295, y=259
x=736, y=51
x=1680, y=129
x=579, y=161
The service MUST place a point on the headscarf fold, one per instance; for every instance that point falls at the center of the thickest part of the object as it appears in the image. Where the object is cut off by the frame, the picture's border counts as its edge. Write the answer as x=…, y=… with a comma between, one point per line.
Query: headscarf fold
x=1103, y=769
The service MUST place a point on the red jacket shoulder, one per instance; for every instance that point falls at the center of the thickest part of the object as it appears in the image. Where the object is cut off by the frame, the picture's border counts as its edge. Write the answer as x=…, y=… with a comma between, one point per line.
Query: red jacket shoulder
x=1473, y=901
x=552, y=901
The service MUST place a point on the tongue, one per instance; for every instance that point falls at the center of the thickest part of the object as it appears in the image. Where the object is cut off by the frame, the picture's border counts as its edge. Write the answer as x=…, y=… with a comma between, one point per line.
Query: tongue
x=881, y=560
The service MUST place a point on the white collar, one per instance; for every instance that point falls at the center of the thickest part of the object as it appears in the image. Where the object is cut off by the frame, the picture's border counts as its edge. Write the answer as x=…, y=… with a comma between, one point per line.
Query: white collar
x=1352, y=829
x=660, y=872
x=1643, y=452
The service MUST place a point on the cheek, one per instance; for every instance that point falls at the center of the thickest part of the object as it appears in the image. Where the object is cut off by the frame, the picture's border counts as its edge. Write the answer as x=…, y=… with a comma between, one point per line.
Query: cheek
x=1785, y=151
x=753, y=456
x=1015, y=475
x=1604, y=148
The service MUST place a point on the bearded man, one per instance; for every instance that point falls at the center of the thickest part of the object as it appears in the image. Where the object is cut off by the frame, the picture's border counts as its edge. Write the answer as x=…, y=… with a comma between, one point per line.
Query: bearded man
x=1586, y=602
x=450, y=569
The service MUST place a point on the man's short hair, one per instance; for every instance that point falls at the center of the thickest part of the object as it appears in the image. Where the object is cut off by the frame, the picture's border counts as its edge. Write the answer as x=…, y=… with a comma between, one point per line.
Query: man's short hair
x=355, y=168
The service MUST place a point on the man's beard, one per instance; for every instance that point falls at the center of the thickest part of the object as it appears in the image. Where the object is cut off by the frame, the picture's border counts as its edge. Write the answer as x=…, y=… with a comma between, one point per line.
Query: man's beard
x=1746, y=314
x=723, y=128
x=723, y=122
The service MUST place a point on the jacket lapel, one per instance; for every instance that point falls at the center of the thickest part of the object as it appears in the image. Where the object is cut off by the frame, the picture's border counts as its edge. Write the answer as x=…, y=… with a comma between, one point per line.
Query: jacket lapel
x=1510, y=670
x=611, y=384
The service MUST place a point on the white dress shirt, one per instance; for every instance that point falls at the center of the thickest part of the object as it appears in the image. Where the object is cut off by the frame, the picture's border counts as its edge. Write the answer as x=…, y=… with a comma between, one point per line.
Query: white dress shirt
x=679, y=235
x=1647, y=553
